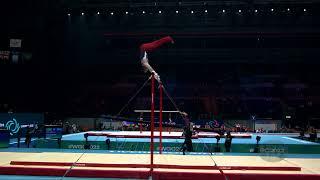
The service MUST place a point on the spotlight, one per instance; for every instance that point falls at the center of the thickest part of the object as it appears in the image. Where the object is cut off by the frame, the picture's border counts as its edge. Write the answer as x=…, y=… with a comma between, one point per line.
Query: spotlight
x=82, y=14
x=256, y=10
x=191, y=12
x=143, y=12
x=239, y=10
x=177, y=12
x=160, y=12
x=205, y=11
x=69, y=14
x=98, y=13
x=288, y=9
x=223, y=11
x=272, y=10
x=127, y=12
x=111, y=13
x=304, y=10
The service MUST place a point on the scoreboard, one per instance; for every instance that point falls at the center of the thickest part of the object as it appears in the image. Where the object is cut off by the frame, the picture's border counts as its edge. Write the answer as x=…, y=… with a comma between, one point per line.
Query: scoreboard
x=53, y=131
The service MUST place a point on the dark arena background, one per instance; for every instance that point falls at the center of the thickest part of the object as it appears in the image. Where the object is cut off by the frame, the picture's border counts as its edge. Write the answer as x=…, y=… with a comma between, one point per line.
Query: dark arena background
x=161, y=89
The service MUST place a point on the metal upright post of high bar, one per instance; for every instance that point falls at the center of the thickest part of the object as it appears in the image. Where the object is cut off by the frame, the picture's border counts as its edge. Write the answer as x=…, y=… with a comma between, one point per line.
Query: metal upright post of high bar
x=152, y=122
x=160, y=118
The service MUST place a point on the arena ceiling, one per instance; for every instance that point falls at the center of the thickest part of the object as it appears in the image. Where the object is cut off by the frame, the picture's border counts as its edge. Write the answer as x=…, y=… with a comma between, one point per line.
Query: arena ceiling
x=205, y=31
x=213, y=31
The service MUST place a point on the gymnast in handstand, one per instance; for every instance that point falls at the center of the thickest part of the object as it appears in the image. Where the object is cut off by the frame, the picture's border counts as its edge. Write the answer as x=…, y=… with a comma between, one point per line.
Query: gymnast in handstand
x=149, y=47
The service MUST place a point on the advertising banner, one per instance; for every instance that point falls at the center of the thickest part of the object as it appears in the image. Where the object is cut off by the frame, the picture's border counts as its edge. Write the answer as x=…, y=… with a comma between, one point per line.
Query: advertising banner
x=14, y=122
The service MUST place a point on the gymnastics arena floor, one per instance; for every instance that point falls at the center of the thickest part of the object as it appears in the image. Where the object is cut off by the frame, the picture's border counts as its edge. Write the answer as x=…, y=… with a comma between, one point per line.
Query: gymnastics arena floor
x=52, y=163
x=40, y=163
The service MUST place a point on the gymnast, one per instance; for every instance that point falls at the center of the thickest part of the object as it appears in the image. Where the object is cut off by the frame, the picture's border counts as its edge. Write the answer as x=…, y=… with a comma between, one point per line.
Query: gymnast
x=149, y=47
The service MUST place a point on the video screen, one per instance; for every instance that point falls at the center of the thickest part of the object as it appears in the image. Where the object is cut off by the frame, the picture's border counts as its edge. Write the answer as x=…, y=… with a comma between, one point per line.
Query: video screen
x=53, y=132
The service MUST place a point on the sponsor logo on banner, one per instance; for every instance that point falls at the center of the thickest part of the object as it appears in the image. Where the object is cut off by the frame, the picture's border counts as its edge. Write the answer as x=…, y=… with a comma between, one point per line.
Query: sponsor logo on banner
x=80, y=146
x=13, y=126
x=273, y=150
x=169, y=149
x=214, y=124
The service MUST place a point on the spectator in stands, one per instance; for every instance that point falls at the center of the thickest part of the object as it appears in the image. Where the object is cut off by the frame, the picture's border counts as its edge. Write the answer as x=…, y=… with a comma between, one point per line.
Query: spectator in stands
x=243, y=129
x=222, y=130
x=124, y=126
x=74, y=128
x=67, y=128
x=79, y=129
x=313, y=135
x=207, y=126
x=238, y=127
x=37, y=130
